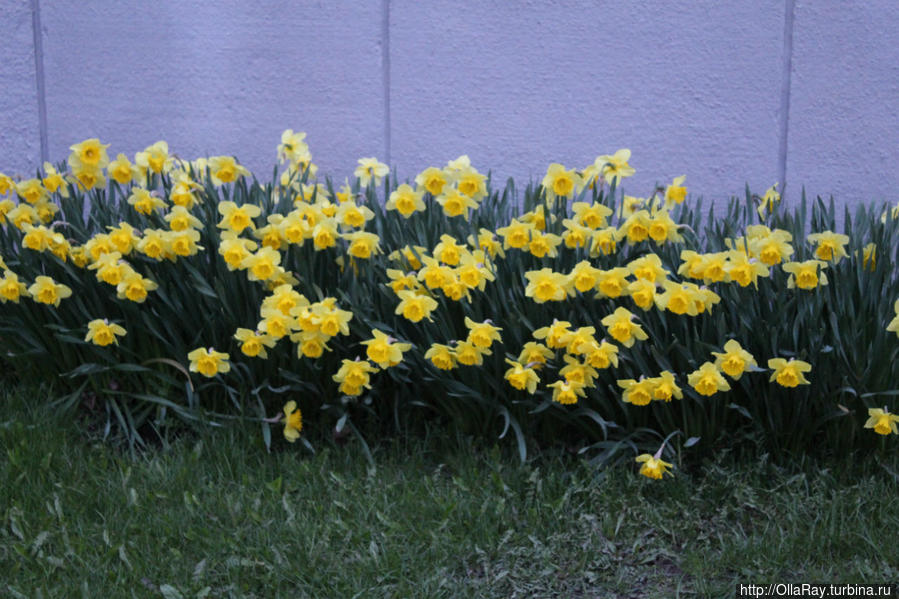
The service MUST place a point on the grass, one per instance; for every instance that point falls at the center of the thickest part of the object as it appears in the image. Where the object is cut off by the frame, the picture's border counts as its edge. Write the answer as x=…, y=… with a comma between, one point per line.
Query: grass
x=215, y=515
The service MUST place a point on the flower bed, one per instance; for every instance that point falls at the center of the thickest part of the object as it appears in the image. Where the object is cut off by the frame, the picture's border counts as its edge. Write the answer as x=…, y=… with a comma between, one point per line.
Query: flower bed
x=565, y=313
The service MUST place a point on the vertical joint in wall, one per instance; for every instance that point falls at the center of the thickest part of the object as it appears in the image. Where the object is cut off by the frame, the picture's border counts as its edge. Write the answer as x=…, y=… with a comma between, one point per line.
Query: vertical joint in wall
x=385, y=74
x=39, y=77
x=785, y=84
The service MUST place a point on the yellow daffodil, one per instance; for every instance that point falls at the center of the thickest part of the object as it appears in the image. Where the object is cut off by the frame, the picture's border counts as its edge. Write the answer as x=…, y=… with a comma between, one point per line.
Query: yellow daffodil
x=663, y=229
x=325, y=234
x=516, y=235
x=543, y=245
x=100, y=332
x=578, y=372
x=36, y=238
x=184, y=243
x=21, y=215
x=560, y=182
x=45, y=290
x=482, y=334
x=432, y=180
x=601, y=355
x=487, y=242
x=235, y=249
x=261, y=265
x=474, y=271
x=615, y=166
x=155, y=158
x=353, y=376
x=122, y=171
x=134, y=287
x=678, y=298
x=612, y=283
x=87, y=177
x=237, y=218
x=384, y=350
x=583, y=277
x=652, y=466
x=455, y=203
x=275, y=323
x=567, y=392
x=208, y=362
x=535, y=354
x=648, y=267
x=707, y=380
x=735, y=360
x=882, y=421
x=284, y=298
x=604, y=241
x=332, y=321
x=576, y=235
x=805, y=275
x=406, y=201
x=579, y=339
x=224, y=169
x=254, y=343
x=638, y=393
x=5, y=207
x=310, y=344
x=745, y=270
x=621, y=327
x=362, y=244
x=557, y=335
x=643, y=293
x=7, y=185
x=636, y=227
x=789, y=373
x=593, y=216
x=292, y=146
x=110, y=268
x=830, y=245
x=772, y=248
x=441, y=356
x=293, y=421
x=145, y=202
x=89, y=153
x=351, y=215
x=11, y=289
x=448, y=250
x=544, y=285
x=869, y=256
x=469, y=354
x=675, y=193
x=471, y=183
x=521, y=377
x=893, y=326
x=371, y=171
x=31, y=190
x=769, y=201
x=415, y=306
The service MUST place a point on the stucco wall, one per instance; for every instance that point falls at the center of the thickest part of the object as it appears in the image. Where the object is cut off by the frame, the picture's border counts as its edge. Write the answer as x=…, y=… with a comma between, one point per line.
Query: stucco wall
x=695, y=88
x=20, y=145
x=844, y=105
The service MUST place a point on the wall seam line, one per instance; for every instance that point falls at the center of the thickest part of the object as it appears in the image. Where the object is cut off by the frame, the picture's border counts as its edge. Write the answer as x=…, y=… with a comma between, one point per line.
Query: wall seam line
x=785, y=88
x=39, y=78
x=385, y=65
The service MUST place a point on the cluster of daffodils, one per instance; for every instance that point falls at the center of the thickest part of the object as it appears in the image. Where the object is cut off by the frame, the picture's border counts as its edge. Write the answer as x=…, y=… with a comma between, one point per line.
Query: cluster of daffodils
x=469, y=352
x=457, y=188
x=708, y=379
x=452, y=268
x=179, y=214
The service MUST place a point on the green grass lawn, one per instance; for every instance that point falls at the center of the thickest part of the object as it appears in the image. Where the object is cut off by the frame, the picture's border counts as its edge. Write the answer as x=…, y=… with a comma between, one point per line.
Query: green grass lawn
x=215, y=515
